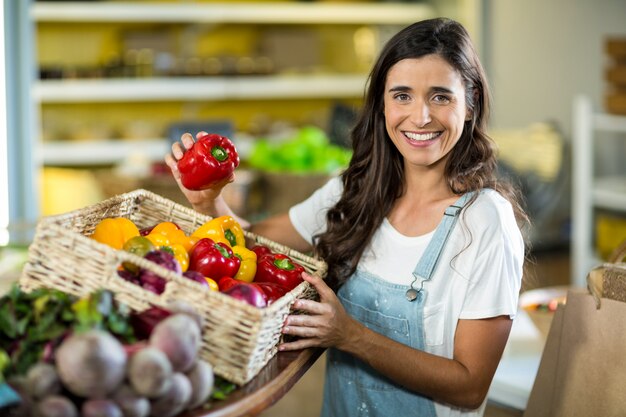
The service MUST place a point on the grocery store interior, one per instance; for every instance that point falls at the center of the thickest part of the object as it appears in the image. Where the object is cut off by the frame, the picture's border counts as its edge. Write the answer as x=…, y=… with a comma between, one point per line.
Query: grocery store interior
x=96, y=92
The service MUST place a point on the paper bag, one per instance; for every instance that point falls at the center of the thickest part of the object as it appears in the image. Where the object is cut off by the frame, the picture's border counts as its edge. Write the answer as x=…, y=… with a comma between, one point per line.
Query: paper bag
x=582, y=372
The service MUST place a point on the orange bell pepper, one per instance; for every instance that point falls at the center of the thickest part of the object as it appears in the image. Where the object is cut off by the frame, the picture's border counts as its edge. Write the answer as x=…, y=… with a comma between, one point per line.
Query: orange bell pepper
x=115, y=231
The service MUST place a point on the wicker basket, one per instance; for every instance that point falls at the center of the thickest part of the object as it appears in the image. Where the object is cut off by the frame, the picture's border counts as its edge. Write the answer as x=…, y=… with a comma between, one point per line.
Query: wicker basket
x=238, y=339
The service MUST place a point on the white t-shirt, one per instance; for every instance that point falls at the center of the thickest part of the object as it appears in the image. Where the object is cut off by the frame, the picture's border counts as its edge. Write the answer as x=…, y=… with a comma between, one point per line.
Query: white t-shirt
x=478, y=274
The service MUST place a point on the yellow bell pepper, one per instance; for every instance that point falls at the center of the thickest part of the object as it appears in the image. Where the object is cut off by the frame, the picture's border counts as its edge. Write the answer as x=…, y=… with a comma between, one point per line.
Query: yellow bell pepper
x=158, y=239
x=115, y=231
x=222, y=229
x=181, y=255
x=247, y=268
x=174, y=234
x=212, y=284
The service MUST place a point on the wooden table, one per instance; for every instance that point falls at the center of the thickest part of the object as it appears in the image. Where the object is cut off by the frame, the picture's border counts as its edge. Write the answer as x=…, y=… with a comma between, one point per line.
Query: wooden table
x=271, y=384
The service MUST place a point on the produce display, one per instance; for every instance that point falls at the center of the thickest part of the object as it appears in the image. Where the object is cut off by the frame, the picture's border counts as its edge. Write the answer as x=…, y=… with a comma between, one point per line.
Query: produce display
x=214, y=255
x=307, y=151
x=91, y=356
x=211, y=159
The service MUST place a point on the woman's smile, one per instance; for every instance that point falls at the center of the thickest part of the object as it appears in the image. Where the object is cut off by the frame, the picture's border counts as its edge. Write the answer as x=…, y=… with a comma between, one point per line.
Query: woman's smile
x=422, y=138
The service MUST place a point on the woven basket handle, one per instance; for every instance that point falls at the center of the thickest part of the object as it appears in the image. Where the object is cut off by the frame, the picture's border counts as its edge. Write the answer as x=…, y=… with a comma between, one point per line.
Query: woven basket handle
x=618, y=254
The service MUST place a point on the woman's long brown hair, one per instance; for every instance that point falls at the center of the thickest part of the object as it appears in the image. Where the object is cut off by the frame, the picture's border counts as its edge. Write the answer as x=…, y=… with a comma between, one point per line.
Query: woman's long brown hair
x=374, y=178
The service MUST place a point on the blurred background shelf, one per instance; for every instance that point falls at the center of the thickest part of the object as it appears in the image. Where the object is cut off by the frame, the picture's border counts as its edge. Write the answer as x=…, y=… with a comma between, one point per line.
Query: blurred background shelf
x=233, y=12
x=101, y=152
x=192, y=88
x=592, y=192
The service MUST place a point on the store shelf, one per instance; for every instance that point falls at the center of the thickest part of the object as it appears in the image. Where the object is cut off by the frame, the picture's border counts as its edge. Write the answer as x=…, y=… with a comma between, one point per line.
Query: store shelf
x=190, y=88
x=101, y=152
x=242, y=13
x=610, y=193
x=590, y=192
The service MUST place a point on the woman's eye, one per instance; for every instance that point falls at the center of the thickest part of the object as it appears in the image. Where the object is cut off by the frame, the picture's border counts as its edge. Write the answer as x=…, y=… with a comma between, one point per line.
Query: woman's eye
x=441, y=99
x=402, y=97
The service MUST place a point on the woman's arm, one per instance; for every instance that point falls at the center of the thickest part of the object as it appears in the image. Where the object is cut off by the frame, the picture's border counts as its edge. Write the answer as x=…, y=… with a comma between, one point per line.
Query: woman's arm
x=462, y=381
x=210, y=201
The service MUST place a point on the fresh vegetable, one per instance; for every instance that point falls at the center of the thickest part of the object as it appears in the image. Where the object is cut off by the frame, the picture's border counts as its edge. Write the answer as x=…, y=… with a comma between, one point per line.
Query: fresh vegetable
x=175, y=398
x=158, y=240
x=201, y=378
x=181, y=255
x=137, y=245
x=279, y=269
x=248, y=293
x=174, y=234
x=213, y=158
x=178, y=336
x=91, y=364
x=247, y=269
x=42, y=380
x=222, y=229
x=308, y=151
x=96, y=407
x=225, y=283
x=271, y=290
x=213, y=259
x=115, y=231
x=150, y=372
x=56, y=406
x=261, y=250
x=130, y=403
x=201, y=279
x=33, y=324
x=212, y=284
x=151, y=281
x=145, y=321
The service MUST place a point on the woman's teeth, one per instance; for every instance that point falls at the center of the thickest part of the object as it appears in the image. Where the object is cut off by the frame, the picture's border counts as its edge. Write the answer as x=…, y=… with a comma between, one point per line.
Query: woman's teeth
x=422, y=136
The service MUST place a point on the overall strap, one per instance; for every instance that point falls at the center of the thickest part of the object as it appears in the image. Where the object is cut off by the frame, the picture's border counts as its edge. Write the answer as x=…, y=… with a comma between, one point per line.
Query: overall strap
x=426, y=265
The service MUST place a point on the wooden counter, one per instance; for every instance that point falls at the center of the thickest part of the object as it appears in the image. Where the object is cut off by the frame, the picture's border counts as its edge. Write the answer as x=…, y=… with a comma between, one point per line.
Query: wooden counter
x=271, y=384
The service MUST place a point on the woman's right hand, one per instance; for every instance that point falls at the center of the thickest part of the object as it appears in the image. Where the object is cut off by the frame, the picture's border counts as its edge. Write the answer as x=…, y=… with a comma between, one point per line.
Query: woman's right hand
x=204, y=200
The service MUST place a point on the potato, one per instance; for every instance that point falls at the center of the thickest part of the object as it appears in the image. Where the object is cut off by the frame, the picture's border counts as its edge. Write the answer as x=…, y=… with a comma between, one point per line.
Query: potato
x=178, y=336
x=130, y=402
x=100, y=408
x=91, y=364
x=42, y=380
x=174, y=400
x=56, y=406
x=201, y=378
x=150, y=372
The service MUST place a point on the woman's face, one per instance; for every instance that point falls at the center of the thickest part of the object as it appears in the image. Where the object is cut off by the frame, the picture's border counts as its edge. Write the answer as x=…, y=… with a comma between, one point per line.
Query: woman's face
x=425, y=109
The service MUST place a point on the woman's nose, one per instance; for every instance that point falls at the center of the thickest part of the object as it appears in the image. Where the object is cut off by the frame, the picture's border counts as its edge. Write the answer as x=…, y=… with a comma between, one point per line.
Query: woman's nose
x=420, y=114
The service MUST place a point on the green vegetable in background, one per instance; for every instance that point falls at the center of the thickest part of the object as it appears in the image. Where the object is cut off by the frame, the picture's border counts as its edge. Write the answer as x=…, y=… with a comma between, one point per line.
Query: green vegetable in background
x=309, y=151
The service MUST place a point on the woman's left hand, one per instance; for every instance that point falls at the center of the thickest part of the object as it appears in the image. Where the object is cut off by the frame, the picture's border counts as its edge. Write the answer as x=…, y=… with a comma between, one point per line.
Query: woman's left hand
x=326, y=323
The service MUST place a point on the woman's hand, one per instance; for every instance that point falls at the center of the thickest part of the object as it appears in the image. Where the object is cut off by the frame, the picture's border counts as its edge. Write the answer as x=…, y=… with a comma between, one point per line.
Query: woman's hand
x=326, y=323
x=204, y=200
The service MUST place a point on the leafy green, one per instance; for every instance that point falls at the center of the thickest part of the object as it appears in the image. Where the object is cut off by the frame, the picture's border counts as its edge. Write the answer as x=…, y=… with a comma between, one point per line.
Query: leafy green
x=221, y=388
x=33, y=323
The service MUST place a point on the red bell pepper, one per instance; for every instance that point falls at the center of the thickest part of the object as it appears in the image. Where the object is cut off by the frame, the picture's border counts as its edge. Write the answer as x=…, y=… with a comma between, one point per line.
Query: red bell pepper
x=213, y=259
x=279, y=269
x=211, y=159
x=261, y=250
x=271, y=290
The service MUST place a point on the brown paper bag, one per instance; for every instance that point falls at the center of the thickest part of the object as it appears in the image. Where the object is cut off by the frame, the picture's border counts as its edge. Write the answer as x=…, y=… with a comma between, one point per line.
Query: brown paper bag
x=582, y=372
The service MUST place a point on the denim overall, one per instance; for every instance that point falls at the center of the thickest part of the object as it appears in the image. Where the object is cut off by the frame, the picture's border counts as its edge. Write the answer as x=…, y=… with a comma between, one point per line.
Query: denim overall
x=352, y=387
